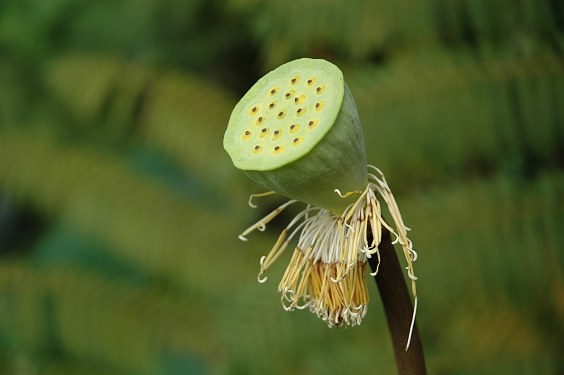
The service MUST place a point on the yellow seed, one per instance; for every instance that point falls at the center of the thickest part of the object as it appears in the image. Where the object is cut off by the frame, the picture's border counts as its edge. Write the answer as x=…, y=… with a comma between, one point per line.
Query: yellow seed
x=294, y=80
x=247, y=135
x=281, y=115
x=294, y=128
x=301, y=111
x=320, y=89
x=312, y=124
x=254, y=110
x=257, y=149
x=278, y=150
x=289, y=94
x=259, y=120
x=272, y=105
x=276, y=135
x=297, y=141
x=273, y=91
x=311, y=81
x=263, y=132
x=299, y=99
x=319, y=106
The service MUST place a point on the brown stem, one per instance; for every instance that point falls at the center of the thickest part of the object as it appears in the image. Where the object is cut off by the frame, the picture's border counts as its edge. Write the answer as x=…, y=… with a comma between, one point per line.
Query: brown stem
x=397, y=305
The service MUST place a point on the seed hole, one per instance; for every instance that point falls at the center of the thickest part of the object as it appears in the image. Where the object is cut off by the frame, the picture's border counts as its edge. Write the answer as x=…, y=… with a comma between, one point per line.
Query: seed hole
x=260, y=120
x=272, y=105
x=301, y=111
x=254, y=110
x=311, y=81
x=312, y=124
x=295, y=80
x=289, y=94
x=276, y=135
x=299, y=99
x=294, y=128
x=320, y=89
x=278, y=150
x=263, y=132
x=273, y=91
x=257, y=149
x=297, y=141
x=247, y=135
x=319, y=106
x=281, y=115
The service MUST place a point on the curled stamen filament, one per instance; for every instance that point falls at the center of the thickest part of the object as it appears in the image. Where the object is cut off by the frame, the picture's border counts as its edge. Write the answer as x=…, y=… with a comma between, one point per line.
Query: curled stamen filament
x=258, y=195
x=377, y=265
x=261, y=224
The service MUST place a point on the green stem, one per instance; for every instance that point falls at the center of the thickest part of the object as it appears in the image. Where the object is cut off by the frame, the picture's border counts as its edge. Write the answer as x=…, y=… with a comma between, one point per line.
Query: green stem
x=397, y=305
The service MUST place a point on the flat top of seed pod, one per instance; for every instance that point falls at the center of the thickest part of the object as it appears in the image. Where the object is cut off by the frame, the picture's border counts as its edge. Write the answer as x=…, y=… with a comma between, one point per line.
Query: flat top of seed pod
x=284, y=115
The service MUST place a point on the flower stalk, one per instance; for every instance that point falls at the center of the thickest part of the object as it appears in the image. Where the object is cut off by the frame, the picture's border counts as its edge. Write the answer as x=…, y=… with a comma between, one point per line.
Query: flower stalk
x=397, y=306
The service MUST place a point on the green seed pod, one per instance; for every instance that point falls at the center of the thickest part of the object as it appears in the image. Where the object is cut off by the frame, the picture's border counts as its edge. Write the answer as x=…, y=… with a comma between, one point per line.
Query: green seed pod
x=297, y=132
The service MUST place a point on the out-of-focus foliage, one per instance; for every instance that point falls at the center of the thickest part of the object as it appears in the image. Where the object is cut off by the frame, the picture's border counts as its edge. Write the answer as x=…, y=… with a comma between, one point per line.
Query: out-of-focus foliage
x=119, y=209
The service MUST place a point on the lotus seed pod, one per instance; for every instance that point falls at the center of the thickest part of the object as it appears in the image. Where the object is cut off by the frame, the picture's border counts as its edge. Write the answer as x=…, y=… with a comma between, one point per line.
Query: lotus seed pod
x=297, y=132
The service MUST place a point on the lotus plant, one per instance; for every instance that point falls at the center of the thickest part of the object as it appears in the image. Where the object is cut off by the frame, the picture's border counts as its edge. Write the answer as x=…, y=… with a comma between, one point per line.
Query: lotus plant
x=297, y=133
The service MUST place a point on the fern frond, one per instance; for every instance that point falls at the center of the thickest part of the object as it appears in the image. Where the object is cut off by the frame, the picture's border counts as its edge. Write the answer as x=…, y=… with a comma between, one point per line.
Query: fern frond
x=187, y=117
x=283, y=343
x=151, y=226
x=356, y=27
x=85, y=83
x=494, y=247
x=431, y=119
x=172, y=112
x=505, y=341
x=497, y=244
x=361, y=28
x=96, y=320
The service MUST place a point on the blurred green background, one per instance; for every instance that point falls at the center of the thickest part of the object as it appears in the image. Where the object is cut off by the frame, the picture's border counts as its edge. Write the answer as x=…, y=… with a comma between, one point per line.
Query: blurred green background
x=119, y=209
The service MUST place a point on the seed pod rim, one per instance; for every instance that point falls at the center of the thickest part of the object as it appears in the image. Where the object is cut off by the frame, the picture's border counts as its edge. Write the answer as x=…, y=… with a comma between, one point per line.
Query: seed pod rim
x=326, y=74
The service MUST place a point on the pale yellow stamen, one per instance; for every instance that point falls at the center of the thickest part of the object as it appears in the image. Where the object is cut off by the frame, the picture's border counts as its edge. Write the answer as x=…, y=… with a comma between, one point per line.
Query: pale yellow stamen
x=326, y=272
